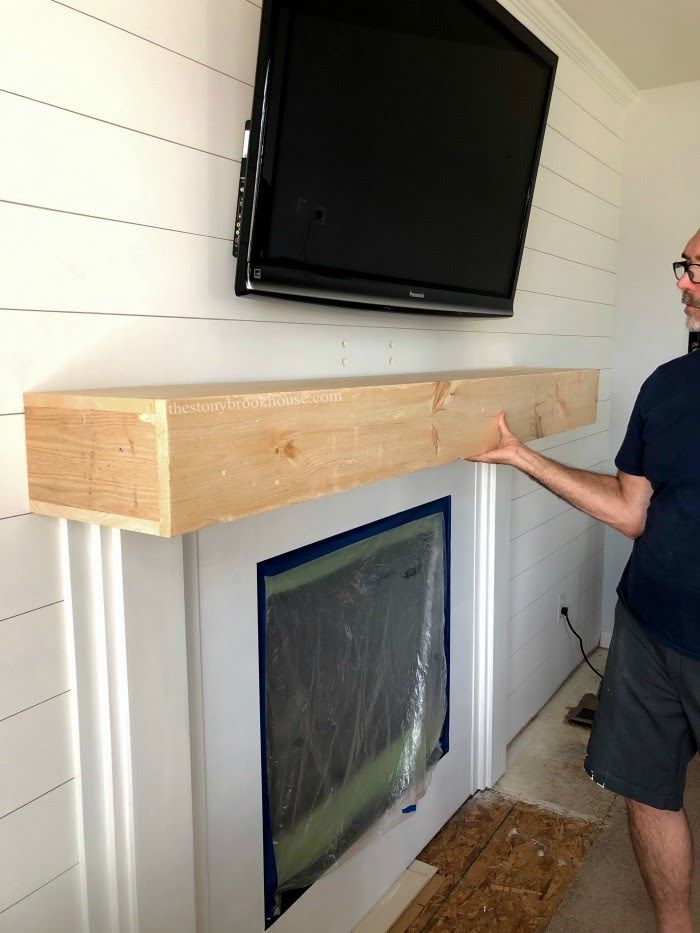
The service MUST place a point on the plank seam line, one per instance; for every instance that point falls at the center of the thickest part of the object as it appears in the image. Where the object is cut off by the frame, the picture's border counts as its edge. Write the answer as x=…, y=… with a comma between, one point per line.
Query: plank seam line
x=513, y=619
x=586, y=437
x=591, y=115
x=587, y=265
x=26, y=612
x=34, y=799
x=114, y=220
x=120, y=126
x=581, y=187
x=514, y=686
x=568, y=220
x=546, y=625
x=590, y=301
x=50, y=881
x=159, y=45
x=597, y=524
x=557, y=582
x=243, y=320
x=590, y=523
x=549, y=656
x=588, y=152
x=539, y=491
x=34, y=705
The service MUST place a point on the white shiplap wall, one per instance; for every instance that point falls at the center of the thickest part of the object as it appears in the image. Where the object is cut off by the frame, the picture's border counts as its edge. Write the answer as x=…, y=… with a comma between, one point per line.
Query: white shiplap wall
x=122, y=129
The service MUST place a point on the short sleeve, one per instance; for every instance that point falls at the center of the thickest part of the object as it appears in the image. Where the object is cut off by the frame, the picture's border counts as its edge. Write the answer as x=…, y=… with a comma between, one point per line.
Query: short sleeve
x=630, y=456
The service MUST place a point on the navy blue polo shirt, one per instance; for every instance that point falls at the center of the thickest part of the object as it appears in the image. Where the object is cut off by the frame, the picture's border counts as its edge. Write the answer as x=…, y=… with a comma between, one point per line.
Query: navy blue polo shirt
x=661, y=583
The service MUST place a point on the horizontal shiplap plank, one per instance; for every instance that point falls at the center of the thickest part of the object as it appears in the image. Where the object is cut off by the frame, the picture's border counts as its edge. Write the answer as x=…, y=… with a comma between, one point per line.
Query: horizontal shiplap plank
x=34, y=660
x=529, y=621
x=54, y=908
x=580, y=453
x=538, y=507
x=107, y=350
x=84, y=65
x=548, y=233
x=35, y=748
x=551, y=314
x=14, y=495
x=192, y=276
x=225, y=38
x=535, y=545
x=30, y=549
x=530, y=585
x=563, y=277
x=572, y=121
x=565, y=158
x=531, y=695
x=605, y=384
x=523, y=662
x=564, y=198
x=37, y=843
x=582, y=87
x=61, y=160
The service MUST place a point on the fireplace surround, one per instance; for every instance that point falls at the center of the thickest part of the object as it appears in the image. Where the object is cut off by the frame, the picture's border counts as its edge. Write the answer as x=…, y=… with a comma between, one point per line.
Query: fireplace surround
x=163, y=625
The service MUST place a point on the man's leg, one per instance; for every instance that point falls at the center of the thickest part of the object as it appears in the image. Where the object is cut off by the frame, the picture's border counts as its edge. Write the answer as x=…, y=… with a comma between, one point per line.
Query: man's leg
x=664, y=849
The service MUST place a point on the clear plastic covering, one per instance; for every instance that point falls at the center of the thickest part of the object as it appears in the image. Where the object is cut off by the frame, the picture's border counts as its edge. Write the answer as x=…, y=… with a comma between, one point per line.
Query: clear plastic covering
x=356, y=693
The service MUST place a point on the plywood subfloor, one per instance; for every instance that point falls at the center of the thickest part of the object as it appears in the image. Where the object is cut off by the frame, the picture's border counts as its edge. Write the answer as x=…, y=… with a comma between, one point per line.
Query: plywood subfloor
x=509, y=854
x=507, y=866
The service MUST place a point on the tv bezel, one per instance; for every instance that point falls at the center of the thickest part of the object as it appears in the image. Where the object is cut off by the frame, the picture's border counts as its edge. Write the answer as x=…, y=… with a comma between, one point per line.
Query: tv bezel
x=348, y=290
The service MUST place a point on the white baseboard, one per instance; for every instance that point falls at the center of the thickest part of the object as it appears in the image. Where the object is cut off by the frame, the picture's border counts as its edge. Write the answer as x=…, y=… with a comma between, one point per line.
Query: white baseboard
x=605, y=639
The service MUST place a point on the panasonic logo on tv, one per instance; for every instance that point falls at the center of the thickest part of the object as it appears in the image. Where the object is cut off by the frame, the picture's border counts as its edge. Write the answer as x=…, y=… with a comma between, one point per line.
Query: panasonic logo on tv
x=416, y=294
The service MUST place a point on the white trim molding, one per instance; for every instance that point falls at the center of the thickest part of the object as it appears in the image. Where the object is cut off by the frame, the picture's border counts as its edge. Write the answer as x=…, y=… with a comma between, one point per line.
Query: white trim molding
x=547, y=18
x=128, y=612
x=491, y=566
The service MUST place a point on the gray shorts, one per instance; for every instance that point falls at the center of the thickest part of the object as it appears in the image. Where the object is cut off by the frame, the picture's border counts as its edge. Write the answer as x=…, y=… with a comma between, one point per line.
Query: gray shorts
x=647, y=725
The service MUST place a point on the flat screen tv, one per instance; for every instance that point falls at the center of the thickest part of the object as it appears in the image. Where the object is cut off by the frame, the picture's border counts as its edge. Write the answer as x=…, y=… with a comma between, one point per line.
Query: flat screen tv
x=391, y=155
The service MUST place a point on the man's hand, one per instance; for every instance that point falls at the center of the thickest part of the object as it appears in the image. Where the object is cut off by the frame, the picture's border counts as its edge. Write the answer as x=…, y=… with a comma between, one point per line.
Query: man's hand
x=508, y=448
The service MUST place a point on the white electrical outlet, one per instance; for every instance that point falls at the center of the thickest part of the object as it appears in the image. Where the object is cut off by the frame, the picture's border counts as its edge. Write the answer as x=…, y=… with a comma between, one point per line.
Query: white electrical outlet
x=561, y=601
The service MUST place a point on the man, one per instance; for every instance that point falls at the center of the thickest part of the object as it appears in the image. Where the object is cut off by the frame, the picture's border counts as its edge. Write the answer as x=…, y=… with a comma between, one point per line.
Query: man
x=647, y=726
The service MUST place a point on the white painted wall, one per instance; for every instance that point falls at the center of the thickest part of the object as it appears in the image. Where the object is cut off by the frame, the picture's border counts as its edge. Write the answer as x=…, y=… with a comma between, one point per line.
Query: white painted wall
x=122, y=132
x=660, y=212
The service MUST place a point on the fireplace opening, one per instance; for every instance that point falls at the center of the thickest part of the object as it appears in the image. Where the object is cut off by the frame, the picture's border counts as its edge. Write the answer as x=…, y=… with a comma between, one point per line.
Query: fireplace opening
x=354, y=687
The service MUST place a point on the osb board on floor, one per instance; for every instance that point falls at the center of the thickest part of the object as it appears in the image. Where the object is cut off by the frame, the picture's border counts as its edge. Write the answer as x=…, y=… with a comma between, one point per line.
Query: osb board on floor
x=507, y=864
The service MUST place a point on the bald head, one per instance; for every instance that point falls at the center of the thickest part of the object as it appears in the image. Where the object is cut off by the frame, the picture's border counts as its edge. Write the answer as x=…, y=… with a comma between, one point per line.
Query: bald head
x=692, y=248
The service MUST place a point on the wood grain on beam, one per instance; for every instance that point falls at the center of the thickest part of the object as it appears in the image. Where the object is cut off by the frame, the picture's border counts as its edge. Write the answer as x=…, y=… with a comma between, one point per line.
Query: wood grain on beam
x=170, y=459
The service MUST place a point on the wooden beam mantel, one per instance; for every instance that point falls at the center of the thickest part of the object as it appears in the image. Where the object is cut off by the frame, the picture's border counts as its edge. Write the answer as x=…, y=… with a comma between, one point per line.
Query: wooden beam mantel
x=170, y=459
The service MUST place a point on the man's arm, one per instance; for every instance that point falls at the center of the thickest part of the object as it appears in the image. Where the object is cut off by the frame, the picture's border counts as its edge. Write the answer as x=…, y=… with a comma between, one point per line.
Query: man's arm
x=620, y=501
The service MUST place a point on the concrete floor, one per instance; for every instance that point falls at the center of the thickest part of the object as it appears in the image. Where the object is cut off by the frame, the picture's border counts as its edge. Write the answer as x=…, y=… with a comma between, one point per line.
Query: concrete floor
x=544, y=761
x=545, y=767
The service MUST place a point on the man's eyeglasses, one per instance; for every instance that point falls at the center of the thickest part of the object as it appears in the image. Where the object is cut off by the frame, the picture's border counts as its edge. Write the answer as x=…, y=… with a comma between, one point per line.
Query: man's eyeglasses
x=692, y=268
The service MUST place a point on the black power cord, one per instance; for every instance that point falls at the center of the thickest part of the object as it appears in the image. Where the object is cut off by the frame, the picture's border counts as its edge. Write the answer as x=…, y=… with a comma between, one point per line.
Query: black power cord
x=565, y=613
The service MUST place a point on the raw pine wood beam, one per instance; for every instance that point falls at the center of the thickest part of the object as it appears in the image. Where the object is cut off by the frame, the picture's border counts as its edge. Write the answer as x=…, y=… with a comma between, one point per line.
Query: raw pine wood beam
x=170, y=459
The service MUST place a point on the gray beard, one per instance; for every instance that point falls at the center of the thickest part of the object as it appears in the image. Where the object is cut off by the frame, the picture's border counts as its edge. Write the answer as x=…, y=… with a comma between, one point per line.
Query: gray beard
x=692, y=324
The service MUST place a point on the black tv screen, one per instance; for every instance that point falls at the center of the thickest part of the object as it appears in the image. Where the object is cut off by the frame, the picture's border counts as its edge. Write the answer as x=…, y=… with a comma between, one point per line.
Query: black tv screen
x=392, y=154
